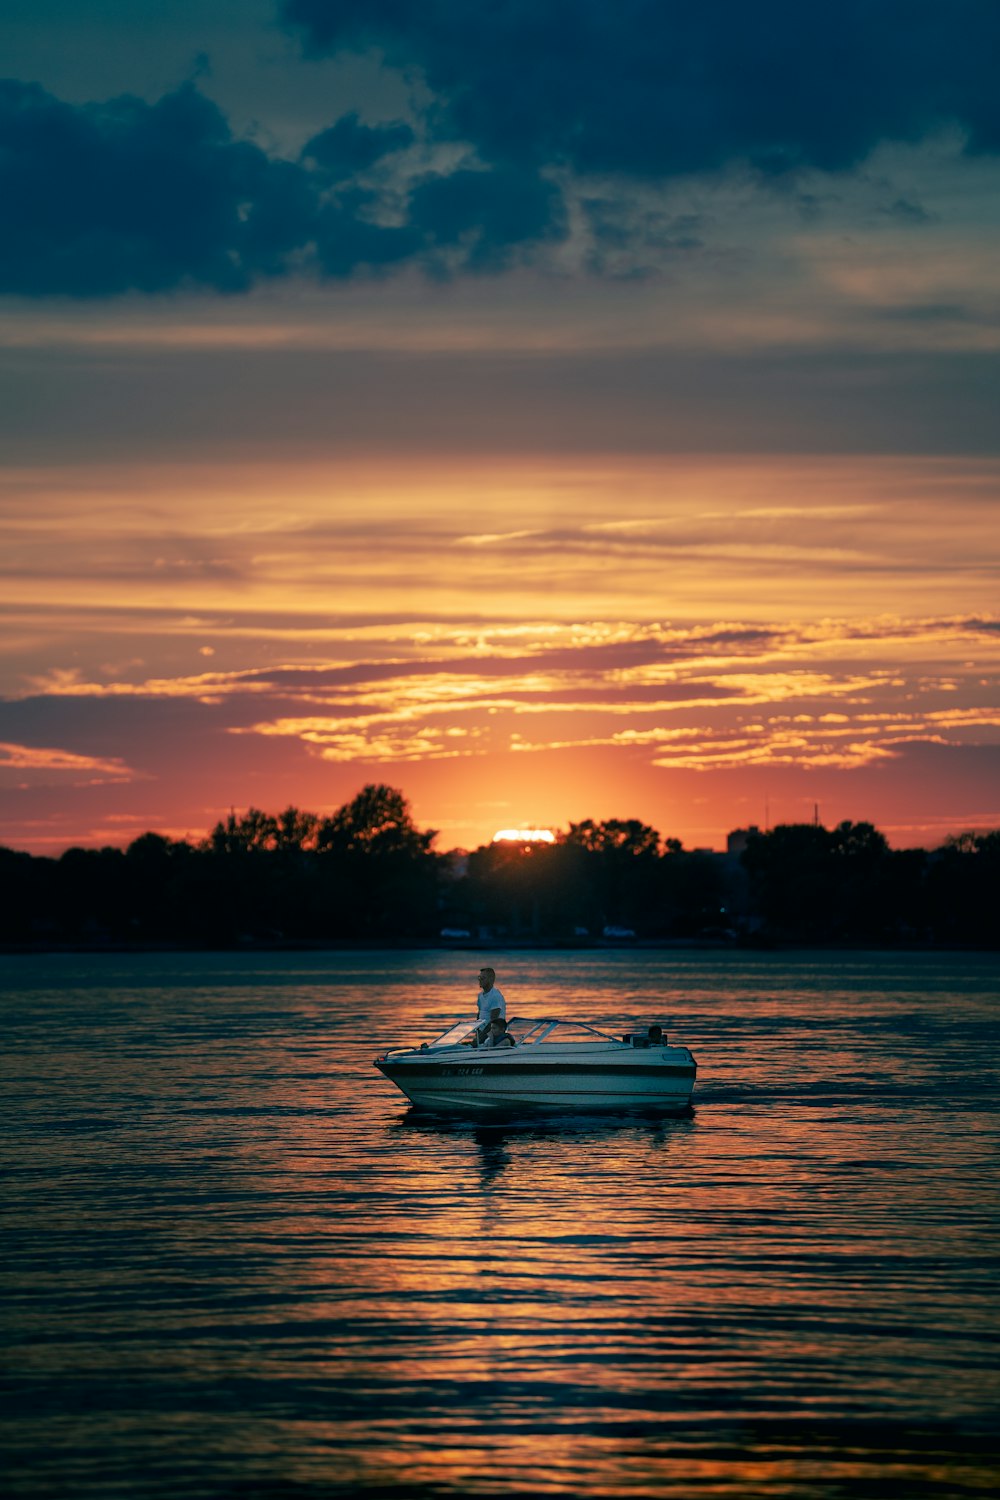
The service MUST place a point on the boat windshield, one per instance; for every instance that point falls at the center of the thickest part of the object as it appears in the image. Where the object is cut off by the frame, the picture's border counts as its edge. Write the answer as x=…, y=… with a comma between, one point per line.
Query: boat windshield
x=549, y=1029
x=525, y=1031
x=461, y=1032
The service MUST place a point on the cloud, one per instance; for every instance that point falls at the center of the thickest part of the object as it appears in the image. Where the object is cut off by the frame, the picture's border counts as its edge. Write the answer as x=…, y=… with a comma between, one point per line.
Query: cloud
x=187, y=403
x=106, y=198
x=42, y=758
x=348, y=147
x=648, y=89
x=101, y=199
x=696, y=698
x=626, y=665
x=346, y=242
x=908, y=213
x=573, y=711
x=488, y=213
x=536, y=132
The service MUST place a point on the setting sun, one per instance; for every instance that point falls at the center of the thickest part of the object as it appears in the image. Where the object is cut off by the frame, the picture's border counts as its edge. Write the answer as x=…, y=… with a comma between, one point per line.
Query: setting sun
x=524, y=836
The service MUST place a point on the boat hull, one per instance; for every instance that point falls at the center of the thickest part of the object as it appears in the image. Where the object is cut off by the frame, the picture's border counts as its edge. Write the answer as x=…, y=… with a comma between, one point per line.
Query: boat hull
x=484, y=1084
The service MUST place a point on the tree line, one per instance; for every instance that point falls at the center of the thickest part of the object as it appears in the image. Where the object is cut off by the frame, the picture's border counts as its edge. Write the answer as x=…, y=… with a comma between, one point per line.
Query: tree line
x=367, y=874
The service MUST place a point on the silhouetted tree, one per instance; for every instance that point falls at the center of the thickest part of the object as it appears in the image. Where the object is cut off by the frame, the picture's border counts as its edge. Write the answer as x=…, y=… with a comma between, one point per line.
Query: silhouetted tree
x=383, y=880
x=625, y=836
x=623, y=858
x=963, y=890
x=694, y=894
x=30, y=906
x=376, y=822
x=95, y=892
x=295, y=830
x=810, y=884
x=527, y=890
x=252, y=833
x=790, y=885
x=367, y=872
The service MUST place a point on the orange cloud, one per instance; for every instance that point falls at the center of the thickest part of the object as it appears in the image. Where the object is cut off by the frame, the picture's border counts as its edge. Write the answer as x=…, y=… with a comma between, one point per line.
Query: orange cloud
x=40, y=758
x=466, y=621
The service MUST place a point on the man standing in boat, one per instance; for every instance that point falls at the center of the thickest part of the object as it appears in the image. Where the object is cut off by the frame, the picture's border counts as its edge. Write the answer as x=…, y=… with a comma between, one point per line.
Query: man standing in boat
x=491, y=1001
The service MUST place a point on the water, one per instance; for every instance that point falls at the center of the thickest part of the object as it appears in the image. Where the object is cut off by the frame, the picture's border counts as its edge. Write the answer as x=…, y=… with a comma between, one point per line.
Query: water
x=236, y=1263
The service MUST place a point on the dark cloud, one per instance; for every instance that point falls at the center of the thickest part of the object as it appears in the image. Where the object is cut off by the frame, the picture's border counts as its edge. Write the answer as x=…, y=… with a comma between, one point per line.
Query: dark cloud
x=346, y=240
x=128, y=195
x=120, y=405
x=906, y=212
x=486, y=213
x=631, y=241
x=349, y=147
x=101, y=199
x=107, y=198
x=933, y=312
x=649, y=88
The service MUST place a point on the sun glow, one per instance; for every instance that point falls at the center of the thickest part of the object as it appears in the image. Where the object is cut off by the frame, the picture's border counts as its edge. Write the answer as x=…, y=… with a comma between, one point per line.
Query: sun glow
x=524, y=836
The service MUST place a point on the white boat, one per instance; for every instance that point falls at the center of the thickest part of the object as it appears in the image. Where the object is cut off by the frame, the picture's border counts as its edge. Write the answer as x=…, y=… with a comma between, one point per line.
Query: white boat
x=552, y=1064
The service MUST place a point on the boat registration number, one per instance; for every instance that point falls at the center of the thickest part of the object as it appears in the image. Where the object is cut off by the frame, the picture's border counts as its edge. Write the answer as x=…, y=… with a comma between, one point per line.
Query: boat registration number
x=462, y=1072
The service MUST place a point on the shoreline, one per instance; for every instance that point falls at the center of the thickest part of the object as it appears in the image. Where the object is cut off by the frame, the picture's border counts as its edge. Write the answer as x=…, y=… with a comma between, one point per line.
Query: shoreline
x=514, y=945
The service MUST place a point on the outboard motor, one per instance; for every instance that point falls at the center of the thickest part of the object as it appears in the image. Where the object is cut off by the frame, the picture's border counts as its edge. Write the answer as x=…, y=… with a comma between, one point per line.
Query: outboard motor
x=653, y=1036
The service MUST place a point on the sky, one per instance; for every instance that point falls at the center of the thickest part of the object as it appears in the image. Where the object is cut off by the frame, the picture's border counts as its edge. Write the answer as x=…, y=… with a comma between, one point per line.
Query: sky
x=558, y=410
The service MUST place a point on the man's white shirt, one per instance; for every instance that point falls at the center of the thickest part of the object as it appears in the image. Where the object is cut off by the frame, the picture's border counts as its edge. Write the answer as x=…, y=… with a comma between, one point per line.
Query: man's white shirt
x=489, y=1001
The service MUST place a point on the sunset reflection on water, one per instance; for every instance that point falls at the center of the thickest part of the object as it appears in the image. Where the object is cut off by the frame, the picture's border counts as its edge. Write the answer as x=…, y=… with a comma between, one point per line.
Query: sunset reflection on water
x=241, y=1263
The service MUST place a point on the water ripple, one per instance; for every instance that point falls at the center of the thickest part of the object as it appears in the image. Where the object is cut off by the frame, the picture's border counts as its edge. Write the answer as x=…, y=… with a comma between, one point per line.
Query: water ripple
x=237, y=1263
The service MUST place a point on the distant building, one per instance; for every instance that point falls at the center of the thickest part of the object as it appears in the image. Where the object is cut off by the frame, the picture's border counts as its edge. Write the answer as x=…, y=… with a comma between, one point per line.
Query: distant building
x=737, y=841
